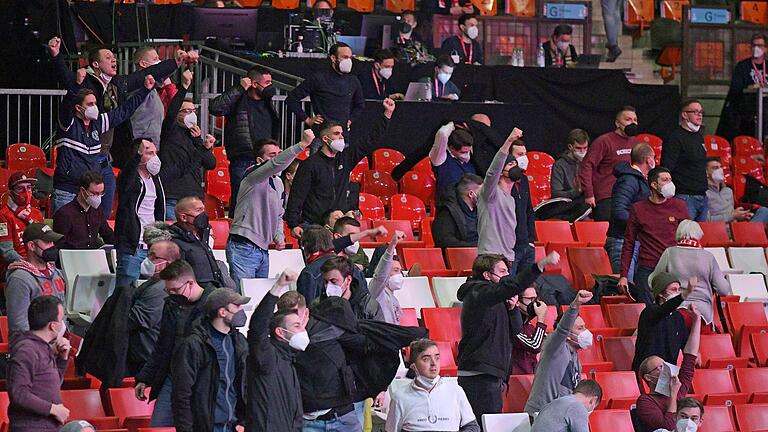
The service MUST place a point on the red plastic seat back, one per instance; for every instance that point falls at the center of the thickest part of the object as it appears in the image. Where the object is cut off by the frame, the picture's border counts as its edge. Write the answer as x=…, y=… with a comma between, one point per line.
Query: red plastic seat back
x=220, y=153
x=593, y=316
x=752, y=380
x=517, y=394
x=744, y=145
x=409, y=318
x=715, y=234
x=424, y=167
x=594, y=233
x=749, y=234
x=391, y=226
x=443, y=323
x=123, y=403
x=213, y=206
x=759, y=344
x=610, y=420
x=379, y=183
x=655, y=142
x=586, y=261
x=356, y=176
x=718, y=419
x=752, y=417
x=370, y=206
x=220, y=232
x=83, y=403
x=23, y=156
x=624, y=315
x=553, y=231
x=461, y=258
x=540, y=187
x=386, y=160
x=420, y=185
x=620, y=350
x=428, y=258
x=408, y=207
x=217, y=184
x=539, y=162
x=713, y=381
x=715, y=346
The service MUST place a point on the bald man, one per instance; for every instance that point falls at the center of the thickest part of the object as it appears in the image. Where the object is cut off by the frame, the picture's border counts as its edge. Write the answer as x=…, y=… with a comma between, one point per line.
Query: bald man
x=191, y=232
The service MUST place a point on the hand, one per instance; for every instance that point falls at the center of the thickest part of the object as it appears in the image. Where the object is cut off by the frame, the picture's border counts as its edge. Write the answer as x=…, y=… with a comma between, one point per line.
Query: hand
x=239, y=428
x=193, y=56
x=695, y=311
x=286, y=277
x=80, y=76
x=623, y=285
x=582, y=297
x=318, y=119
x=279, y=245
x=552, y=259
x=396, y=237
x=590, y=202
x=512, y=302
x=186, y=78
x=740, y=214
x=674, y=386
x=209, y=141
x=54, y=45
x=349, y=124
x=307, y=136
x=515, y=135
x=139, y=390
x=246, y=83
x=195, y=131
x=181, y=55
x=380, y=232
x=692, y=282
x=452, y=96
x=62, y=348
x=149, y=82
x=397, y=96
x=60, y=412
x=540, y=308
x=378, y=401
x=389, y=107
x=297, y=232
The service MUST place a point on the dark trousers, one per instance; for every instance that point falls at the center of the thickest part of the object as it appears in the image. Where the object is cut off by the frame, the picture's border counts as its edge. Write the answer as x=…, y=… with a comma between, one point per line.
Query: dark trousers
x=602, y=211
x=524, y=257
x=484, y=392
x=237, y=170
x=642, y=289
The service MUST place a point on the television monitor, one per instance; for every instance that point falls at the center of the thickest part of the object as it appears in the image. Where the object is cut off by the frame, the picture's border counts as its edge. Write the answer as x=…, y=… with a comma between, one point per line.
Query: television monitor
x=232, y=24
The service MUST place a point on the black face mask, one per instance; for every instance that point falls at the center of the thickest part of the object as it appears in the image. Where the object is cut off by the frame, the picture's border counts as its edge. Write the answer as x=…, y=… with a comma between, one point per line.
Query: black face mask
x=631, y=130
x=50, y=255
x=201, y=221
x=515, y=174
x=268, y=92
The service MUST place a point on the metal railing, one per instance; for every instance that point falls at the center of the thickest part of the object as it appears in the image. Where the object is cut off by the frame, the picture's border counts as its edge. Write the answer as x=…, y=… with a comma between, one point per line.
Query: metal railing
x=30, y=115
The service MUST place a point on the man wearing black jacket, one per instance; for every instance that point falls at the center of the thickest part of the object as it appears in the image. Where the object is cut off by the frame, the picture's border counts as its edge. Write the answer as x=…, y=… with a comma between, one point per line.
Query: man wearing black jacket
x=209, y=368
x=338, y=275
x=487, y=328
x=274, y=393
x=250, y=117
x=185, y=152
x=521, y=192
x=455, y=224
x=322, y=181
x=183, y=306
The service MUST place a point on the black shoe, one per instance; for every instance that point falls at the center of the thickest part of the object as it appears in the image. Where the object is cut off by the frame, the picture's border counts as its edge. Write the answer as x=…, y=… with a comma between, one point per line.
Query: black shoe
x=613, y=53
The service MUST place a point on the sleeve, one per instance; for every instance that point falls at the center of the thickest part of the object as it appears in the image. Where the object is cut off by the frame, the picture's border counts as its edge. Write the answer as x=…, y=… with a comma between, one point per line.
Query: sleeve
x=147, y=308
x=624, y=190
x=67, y=111
x=381, y=275
x=738, y=80
x=7, y=251
x=258, y=331
x=21, y=373
x=65, y=77
x=559, y=181
x=186, y=364
x=173, y=108
x=358, y=101
x=302, y=184
x=160, y=72
x=670, y=153
x=437, y=154
x=340, y=243
x=275, y=165
x=630, y=235
x=444, y=230
x=595, y=153
x=654, y=417
x=557, y=338
x=123, y=112
x=394, y=415
x=224, y=103
x=105, y=231
x=17, y=299
x=163, y=345
x=687, y=369
x=305, y=285
x=577, y=421
x=167, y=93
x=293, y=100
x=719, y=282
x=207, y=159
x=508, y=286
x=492, y=176
x=62, y=224
x=533, y=343
x=371, y=143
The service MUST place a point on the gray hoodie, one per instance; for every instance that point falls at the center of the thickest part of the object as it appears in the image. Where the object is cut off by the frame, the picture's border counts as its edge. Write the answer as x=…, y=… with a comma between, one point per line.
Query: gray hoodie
x=25, y=282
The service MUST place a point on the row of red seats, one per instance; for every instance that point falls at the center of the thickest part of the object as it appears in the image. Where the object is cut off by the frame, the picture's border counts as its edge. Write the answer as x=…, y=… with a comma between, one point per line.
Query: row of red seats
x=751, y=417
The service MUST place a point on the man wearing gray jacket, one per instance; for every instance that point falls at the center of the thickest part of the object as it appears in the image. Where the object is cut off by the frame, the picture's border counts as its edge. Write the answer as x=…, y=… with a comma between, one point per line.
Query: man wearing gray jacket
x=258, y=219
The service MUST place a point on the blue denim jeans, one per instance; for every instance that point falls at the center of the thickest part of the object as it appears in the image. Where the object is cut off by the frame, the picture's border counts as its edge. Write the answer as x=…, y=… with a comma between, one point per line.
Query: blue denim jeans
x=129, y=267
x=697, y=206
x=612, y=19
x=60, y=198
x=162, y=415
x=110, y=184
x=346, y=423
x=761, y=215
x=524, y=256
x=170, y=209
x=613, y=246
x=237, y=170
x=246, y=260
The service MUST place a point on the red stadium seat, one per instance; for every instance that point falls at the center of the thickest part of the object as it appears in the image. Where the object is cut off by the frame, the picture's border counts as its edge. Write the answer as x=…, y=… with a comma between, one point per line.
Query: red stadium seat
x=409, y=318
x=540, y=188
x=4, y=175
x=22, y=156
x=285, y=4
x=220, y=153
x=539, y=163
x=217, y=184
x=220, y=232
x=379, y=183
x=715, y=234
x=716, y=351
x=447, y=363
x=553, y=231
x=4, y=329
x=461, y=258
x=718, y=420
x=428, y=258
x=718, y=387
x=749, y=234
x=655, y=143
x=426, y=232
x=356, y=176
x=620, y=389
x=5, y=401
x=370, y=206
x=421, y=185
x=752, y=380
x=517, y=393
x=586, y=261
x=592, y=316
x=386, y=160
x=744, y=145
x=610, y=420
x=624, y=315
x=759, y=343
x=744, y=319
x=593, y=360
x=213, y=206
x=443, y=323
x=752, y=417
x=620, y=351
x=392, y=226
x=594, y=233
x=424, y=167
x=86, y=404
x=408, y=207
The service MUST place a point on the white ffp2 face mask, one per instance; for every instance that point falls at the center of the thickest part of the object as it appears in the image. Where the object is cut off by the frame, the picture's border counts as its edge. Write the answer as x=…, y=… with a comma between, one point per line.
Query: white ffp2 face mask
x=473, y=32
x=91, y=113
x=299, y=341
x=338, y=145
x=396, y=282
x=352, y=249
x=718, y=175
x=584, y=339
x=386, y=73
x=522, y=162
x=345, y=65
x=190, y=120
x=668, y=190
x=757, y=52
x=686, y=425
x=333, y=290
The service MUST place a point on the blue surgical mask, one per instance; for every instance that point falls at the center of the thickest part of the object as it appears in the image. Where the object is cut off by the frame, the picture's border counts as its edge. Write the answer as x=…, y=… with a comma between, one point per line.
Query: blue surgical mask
x=443, y=77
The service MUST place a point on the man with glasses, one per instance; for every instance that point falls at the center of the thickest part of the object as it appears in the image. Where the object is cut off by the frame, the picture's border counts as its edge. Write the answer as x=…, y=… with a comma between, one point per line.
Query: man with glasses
x=183, y=306
x=685, y=156
x=81, y=222
x=16, y=213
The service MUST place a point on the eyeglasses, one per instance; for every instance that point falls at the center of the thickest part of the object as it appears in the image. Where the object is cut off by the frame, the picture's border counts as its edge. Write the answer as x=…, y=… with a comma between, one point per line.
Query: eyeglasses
x=187, y=111
x=89, y=193
x=696, y=112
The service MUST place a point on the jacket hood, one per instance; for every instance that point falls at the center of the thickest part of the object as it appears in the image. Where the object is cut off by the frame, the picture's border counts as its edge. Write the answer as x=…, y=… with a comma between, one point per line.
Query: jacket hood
x=469, y=285
x=567, y=156
x=624, y=168
x=335, y=311
x=31, y=337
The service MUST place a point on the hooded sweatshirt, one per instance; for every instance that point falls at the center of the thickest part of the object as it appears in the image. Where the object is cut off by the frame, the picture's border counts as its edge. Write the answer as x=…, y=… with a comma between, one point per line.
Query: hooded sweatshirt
x=630, y=187
x=25, y=282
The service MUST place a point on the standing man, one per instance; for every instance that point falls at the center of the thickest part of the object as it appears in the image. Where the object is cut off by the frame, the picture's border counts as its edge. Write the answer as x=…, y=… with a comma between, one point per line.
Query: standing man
x=258, y=218
x=609, y=149
x=570, y=413
x=209, y=368
x=738, y=115
x=147, y=120
x=485, y=349
x=496, y=206
x=141, y=202
x=33, y=276
x=376, y=82
x=685, y=156
x=336, y=95
x=81, y=222
x=464, y=47
x=564, y=182
x=250, y=117
x=191, y=232
x=652, y=222
x=524, y=230
x=274, y=393
x=16, y=214
x=36, y=370
x=450, y=156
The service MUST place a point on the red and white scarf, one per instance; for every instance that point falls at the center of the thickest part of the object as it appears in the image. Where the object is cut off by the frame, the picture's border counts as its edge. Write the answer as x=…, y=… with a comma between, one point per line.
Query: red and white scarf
x=689, y=243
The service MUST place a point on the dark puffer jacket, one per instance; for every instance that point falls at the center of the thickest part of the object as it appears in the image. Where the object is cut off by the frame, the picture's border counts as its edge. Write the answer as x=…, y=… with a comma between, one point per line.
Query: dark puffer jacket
x=241, y=118
x=630, y=187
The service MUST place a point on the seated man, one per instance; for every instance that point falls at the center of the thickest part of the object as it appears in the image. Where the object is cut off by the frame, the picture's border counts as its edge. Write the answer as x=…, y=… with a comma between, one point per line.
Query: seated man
x=558, y=51
x=564, y=182
x=376, y=82
x=81, y=222
x=657, y=409
x=442, y=86
x=720, y=198
x=455, y=224
x=689, y=416
x=414, y=403
x=570, y=413
x=450, y=156
x=15, y=215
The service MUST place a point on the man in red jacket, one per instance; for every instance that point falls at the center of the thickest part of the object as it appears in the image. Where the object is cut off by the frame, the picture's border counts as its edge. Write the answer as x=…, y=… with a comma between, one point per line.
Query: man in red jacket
x=15, y=215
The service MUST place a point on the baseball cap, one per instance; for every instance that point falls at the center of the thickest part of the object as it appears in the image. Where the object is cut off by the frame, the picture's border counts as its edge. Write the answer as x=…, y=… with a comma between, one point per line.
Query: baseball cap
x=221, y=297
x=19, y=177
x=38, y=231
x=661, y=281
